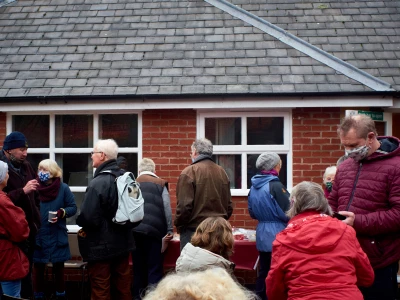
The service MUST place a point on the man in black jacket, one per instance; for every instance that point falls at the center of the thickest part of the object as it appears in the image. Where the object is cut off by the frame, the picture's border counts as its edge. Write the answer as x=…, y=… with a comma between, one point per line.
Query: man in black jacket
x=104, y=244
x=21, y=187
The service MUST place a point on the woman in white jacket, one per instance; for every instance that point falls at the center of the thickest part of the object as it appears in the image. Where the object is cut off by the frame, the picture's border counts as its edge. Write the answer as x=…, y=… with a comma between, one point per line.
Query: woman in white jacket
x=211, y=246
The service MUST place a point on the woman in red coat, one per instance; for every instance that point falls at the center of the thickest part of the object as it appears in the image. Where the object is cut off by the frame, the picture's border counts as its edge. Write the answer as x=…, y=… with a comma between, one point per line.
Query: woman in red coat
x=14, y=229
x=316, y=256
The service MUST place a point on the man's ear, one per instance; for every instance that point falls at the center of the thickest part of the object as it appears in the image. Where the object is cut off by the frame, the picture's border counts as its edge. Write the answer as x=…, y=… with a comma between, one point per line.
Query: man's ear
x=371, y=136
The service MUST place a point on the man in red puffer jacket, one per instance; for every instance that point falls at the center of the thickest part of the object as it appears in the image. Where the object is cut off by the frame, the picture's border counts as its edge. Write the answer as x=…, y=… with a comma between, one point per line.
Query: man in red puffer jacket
x=367, y=192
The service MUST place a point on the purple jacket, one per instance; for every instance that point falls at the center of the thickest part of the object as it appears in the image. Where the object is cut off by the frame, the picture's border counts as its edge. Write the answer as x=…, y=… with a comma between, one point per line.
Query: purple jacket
x=371, y=189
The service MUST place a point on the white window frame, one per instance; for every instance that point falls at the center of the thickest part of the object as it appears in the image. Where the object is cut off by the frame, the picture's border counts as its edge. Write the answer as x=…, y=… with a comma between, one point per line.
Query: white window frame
x=244, y=149
x=52, y=150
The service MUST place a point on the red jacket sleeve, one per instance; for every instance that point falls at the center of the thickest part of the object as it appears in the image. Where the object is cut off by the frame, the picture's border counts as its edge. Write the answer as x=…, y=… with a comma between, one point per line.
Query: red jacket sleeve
x=275, y=281
x=13, y=221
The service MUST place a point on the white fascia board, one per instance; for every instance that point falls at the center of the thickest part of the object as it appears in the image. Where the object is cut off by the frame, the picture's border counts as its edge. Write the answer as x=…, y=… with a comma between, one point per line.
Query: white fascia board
x=241, y=104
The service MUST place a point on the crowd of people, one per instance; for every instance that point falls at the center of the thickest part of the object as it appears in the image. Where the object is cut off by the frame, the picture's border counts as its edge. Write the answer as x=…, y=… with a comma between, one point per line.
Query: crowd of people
x=339, y=239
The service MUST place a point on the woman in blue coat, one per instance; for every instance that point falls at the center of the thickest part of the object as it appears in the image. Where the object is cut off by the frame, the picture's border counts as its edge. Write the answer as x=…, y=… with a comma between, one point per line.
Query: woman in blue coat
x=52, y=238
x=267, y=202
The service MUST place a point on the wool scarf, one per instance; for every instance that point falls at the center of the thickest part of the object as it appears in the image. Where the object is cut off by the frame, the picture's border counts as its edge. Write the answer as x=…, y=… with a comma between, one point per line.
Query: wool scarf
x=49, y=192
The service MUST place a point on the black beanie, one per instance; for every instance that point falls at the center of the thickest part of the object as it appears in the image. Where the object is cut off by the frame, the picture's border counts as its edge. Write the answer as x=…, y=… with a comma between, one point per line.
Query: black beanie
x=15, y=140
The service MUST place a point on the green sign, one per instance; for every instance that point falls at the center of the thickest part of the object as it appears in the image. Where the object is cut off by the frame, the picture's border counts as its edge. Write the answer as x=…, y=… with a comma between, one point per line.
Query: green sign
x=374, y=115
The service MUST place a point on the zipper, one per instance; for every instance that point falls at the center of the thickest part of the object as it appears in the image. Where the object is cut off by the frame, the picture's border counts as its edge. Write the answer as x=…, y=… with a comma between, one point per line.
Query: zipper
x=354, y=187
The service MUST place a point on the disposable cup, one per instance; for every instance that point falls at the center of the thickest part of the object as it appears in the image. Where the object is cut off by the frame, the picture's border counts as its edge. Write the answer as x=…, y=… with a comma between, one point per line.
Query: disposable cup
x=52, y=214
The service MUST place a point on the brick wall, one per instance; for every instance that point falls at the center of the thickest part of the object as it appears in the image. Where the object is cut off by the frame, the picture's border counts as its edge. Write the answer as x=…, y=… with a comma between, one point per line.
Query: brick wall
x=316, y=145
x=167, y=137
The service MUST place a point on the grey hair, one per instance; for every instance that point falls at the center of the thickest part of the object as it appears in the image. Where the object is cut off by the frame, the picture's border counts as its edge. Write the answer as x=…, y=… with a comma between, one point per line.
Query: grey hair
x=203, y=146
x=329, y=170
x=362, y=125
x=308, y=196
x=147, y=164
x=108, y=147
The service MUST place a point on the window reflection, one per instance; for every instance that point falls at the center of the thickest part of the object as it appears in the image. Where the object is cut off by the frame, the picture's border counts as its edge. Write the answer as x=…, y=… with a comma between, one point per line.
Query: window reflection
x=35, y=128
x=77, y=168
x=252, y=170
x=129, y=163
x=223, y=131
x=232, y=167
x=122, y=128
x=264, y=131
x=74, y=131
x=35, y=158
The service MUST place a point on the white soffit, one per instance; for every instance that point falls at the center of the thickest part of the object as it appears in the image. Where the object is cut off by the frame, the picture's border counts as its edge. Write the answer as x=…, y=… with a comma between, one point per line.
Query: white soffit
x=238, y=104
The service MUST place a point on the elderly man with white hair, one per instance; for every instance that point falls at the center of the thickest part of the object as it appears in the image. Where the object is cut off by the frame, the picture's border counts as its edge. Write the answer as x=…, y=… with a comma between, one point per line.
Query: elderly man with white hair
x=156, y=224
x=103, y=244
x=267, y=202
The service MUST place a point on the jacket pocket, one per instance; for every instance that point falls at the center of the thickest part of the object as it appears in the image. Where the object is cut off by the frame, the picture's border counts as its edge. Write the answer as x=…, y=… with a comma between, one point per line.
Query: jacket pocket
x=371, y=247
x=62, y=238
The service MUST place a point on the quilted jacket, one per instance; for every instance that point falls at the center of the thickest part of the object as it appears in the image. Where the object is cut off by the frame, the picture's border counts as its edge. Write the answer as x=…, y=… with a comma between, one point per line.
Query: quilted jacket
x=317, y=257
x=371, y=189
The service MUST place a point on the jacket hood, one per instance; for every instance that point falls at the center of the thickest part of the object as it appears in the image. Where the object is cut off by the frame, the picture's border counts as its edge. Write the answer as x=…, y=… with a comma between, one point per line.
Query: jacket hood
x=197, y=259
x=259, y=181
x=389, y=147
x=312, y=232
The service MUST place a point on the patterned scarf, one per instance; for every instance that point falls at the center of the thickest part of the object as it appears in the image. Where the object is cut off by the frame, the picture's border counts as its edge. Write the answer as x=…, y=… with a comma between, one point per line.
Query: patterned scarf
x=49, y=192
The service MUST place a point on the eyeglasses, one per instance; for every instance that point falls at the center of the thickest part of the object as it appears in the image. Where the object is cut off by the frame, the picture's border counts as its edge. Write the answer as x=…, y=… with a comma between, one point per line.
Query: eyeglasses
x=93, y=152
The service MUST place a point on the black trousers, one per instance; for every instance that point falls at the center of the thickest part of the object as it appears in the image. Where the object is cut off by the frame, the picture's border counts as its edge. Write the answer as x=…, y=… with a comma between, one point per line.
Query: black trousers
x=264, y=265
x=385, y=284
x=147, y=262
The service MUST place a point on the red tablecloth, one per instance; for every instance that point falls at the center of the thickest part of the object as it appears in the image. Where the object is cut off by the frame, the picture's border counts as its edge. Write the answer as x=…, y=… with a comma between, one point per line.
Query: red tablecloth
x=245, y=255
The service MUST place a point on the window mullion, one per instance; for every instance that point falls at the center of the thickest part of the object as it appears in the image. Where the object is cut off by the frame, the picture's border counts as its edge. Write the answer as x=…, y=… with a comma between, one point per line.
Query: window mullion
x=96, y=128
x=244, y=171
x=52, y=136
x=244, y=131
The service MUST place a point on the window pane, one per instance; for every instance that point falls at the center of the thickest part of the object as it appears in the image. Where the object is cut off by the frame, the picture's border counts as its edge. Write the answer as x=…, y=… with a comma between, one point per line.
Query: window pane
x=78, y=200
x=122, y=128
x=77, y=168
x=265, y=131
x=36, y=158
x=252, y=170
x=35, y=129
x=232, y=166
x=130, y=163
x=223, y=131
x=74, y=131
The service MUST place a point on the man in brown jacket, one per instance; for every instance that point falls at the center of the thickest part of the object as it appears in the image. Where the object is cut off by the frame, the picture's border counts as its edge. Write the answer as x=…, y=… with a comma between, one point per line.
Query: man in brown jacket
x=203, y=191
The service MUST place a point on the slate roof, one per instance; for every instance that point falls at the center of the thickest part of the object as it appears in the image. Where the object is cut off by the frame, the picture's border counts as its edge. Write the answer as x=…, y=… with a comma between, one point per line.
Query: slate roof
x=155, y=47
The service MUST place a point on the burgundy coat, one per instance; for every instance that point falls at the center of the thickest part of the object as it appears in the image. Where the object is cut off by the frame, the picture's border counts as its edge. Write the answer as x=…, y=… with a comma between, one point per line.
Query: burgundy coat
x=317, y=257
x=13, y=229
x=371, y=189
x=14, y=189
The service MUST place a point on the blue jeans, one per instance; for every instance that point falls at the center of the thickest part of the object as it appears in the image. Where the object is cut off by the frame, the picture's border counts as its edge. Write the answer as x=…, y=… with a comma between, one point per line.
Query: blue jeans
x=11, y=288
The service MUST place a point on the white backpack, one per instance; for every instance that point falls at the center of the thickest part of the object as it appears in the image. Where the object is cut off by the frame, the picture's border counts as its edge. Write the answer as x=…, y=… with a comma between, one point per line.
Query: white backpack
x=130, y=199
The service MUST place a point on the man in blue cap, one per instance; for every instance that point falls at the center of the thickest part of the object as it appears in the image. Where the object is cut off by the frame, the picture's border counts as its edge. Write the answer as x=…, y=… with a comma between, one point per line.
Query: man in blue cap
x=21, y=187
